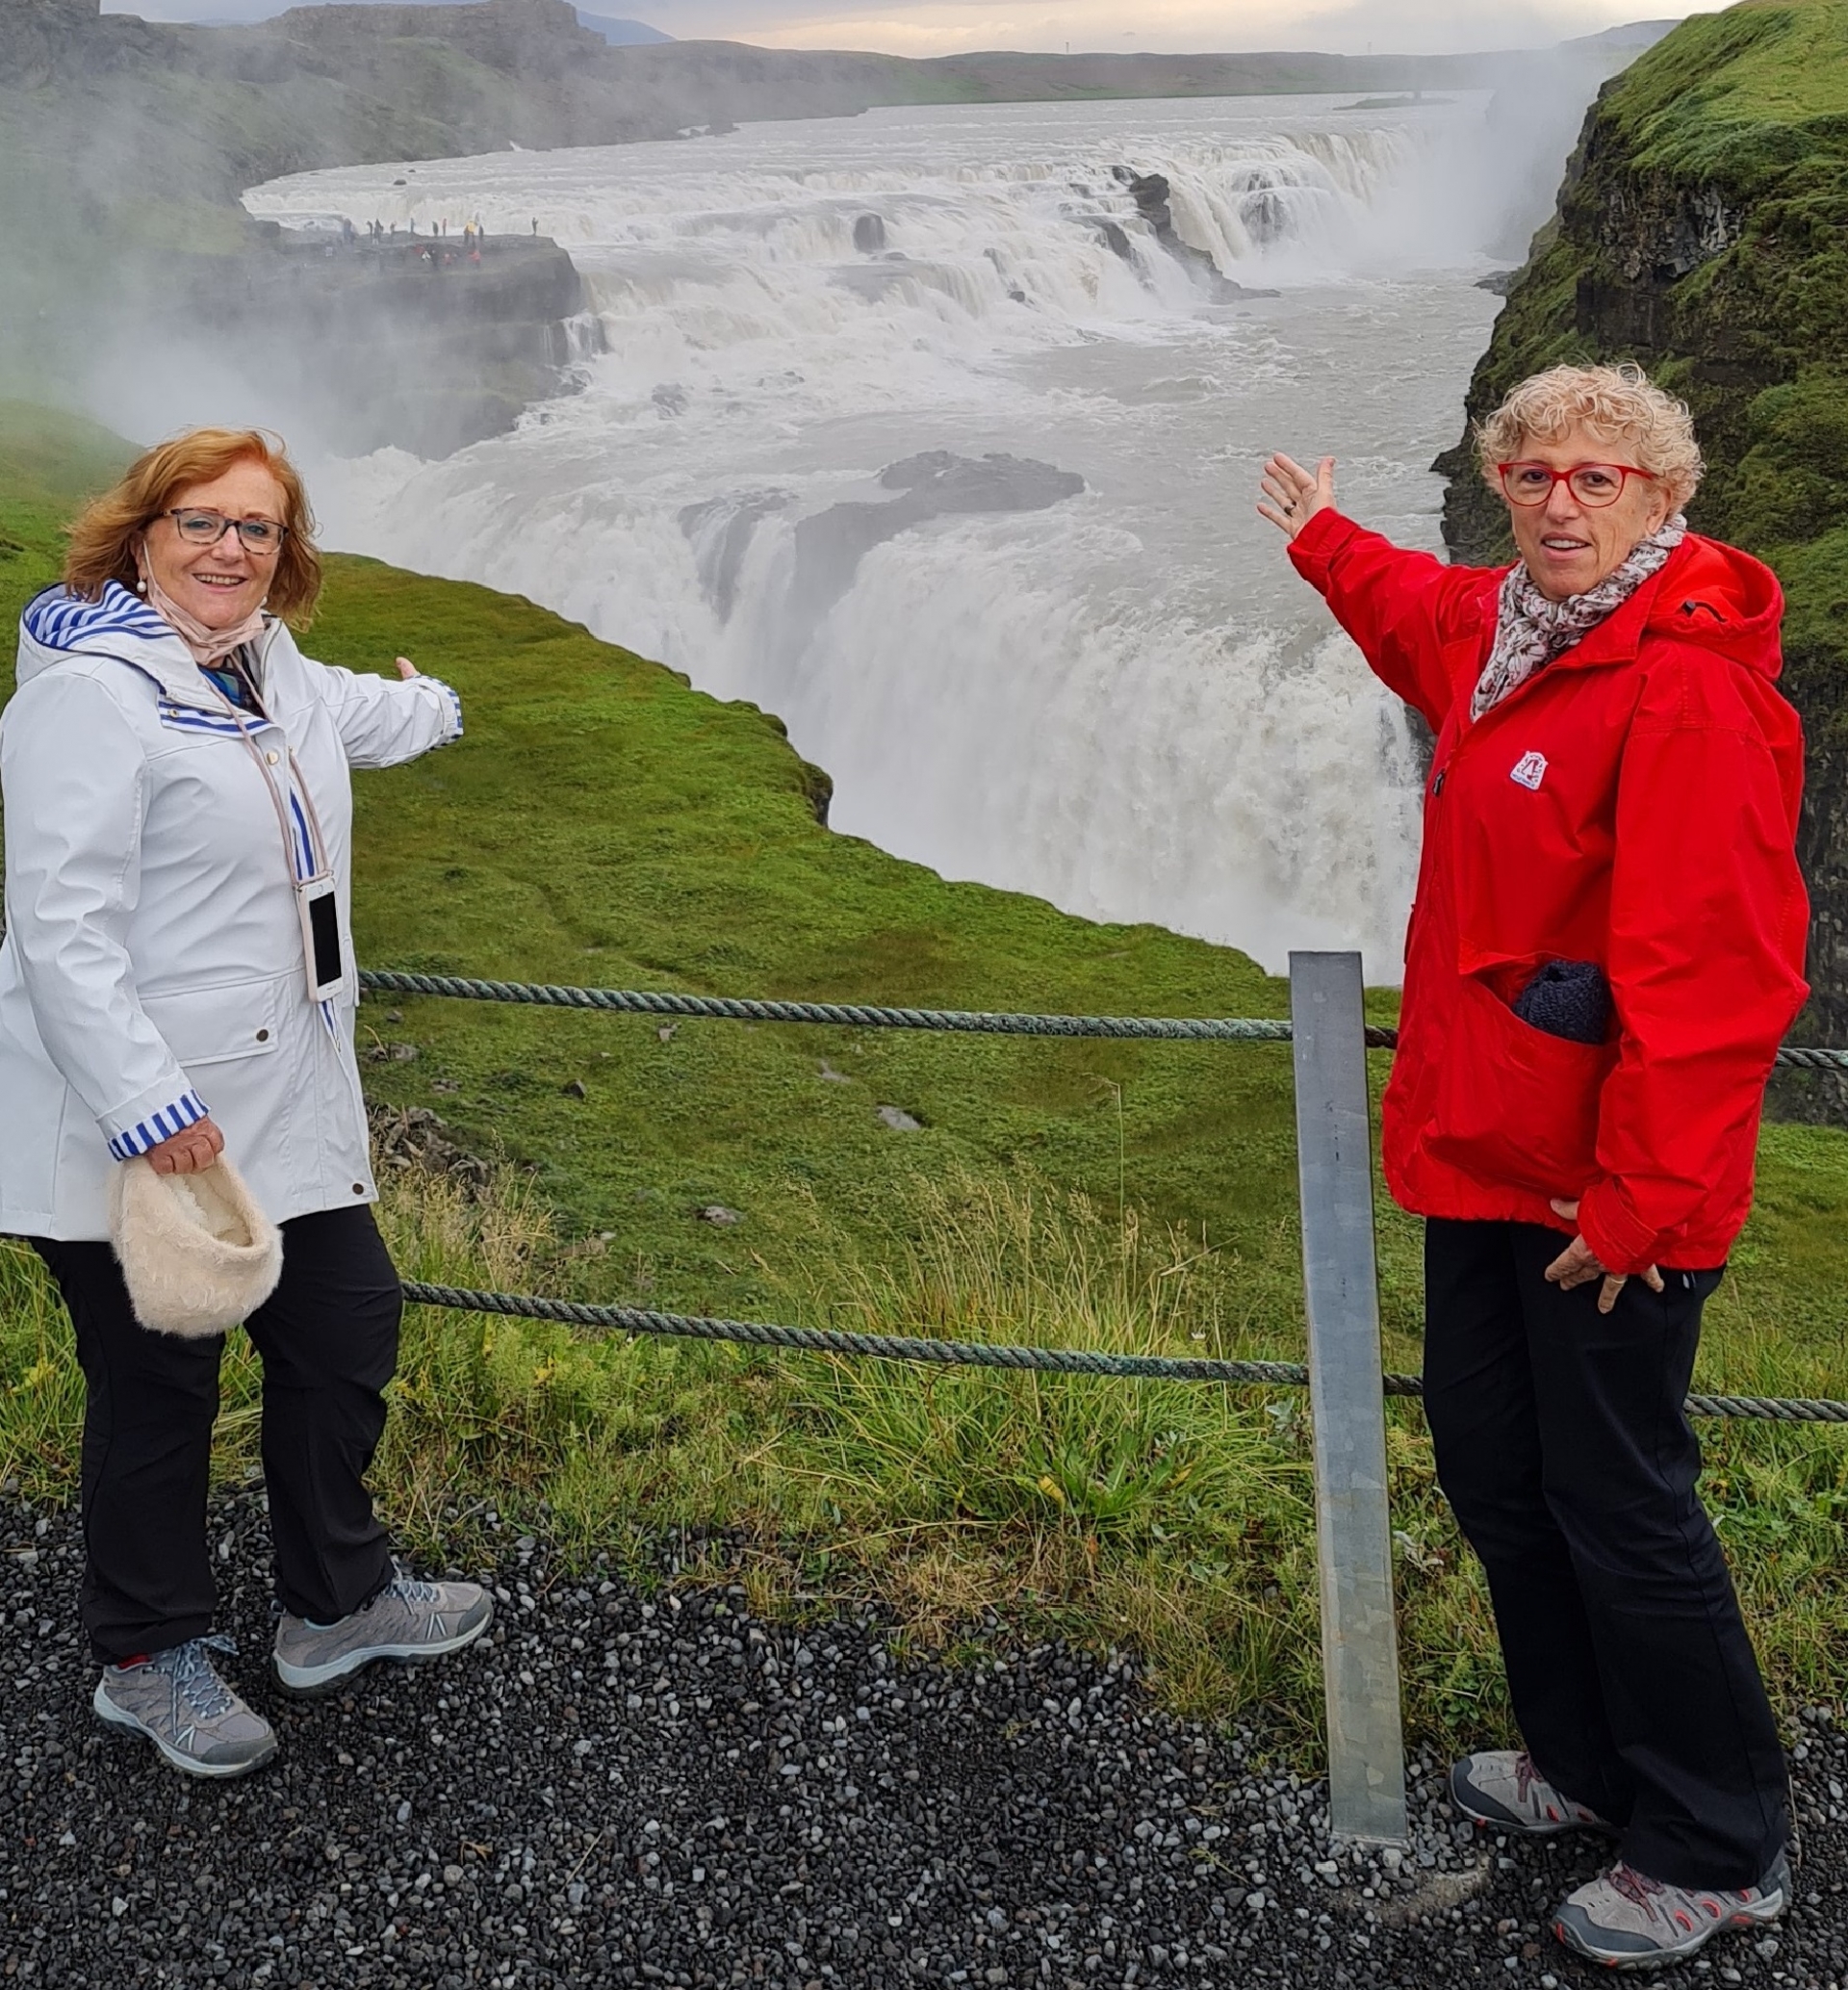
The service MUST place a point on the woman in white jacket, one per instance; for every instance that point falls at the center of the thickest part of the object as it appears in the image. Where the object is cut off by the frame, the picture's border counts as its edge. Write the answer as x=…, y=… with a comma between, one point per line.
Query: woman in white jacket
x=177, y=981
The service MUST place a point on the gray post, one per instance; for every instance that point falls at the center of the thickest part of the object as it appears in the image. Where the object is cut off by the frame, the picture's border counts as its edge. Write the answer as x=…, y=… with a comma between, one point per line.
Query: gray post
x=1353, y=1528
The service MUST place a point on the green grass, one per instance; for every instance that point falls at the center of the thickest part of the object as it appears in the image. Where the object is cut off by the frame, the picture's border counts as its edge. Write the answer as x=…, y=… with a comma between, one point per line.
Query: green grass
x=602, y=822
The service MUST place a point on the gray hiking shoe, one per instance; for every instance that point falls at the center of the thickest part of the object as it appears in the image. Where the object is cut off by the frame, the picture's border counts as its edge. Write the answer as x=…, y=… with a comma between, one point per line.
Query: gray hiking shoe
x=1502, y=1789
x=1626, y=1920
x=178, y=1699
x=407, y=1620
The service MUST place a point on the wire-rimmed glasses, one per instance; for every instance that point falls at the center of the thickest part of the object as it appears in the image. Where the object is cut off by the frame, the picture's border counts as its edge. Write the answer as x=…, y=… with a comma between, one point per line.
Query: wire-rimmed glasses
x=197, y=527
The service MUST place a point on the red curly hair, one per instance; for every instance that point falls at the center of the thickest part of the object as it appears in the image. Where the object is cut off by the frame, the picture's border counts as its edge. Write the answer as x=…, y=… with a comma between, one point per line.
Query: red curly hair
x=104, y=535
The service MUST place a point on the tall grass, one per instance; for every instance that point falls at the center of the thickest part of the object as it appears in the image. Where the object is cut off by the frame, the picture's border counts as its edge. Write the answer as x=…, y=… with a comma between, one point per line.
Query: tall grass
x=1173, y=1517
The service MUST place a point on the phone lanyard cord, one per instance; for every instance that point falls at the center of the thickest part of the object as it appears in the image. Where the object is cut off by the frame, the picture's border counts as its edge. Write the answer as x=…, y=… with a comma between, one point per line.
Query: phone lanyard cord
x=318, y=852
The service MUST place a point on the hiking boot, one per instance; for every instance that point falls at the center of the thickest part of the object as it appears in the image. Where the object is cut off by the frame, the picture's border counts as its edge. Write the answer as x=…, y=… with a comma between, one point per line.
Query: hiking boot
x=176, y=1698
x=1626, y=1920
x=407, y=1620
x=1503, y=1789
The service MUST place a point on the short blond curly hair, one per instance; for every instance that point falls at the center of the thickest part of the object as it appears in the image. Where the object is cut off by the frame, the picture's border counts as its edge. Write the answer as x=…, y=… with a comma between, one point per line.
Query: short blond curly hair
x=1620, y=402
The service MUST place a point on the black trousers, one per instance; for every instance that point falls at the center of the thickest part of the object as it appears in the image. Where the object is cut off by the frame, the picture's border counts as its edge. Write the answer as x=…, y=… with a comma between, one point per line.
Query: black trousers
x=328, y=1339
x=1564, y=1450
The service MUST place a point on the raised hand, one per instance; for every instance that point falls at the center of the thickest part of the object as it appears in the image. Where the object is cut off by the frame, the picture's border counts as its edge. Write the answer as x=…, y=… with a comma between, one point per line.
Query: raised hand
x=407, y=670
x=1293, y=496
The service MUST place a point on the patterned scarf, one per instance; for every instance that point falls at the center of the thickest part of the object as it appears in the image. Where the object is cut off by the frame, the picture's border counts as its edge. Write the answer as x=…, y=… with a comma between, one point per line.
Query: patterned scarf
x=1531, y=630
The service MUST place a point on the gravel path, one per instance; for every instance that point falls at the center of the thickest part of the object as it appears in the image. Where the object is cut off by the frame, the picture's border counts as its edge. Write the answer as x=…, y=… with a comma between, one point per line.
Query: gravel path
x=619, y=1792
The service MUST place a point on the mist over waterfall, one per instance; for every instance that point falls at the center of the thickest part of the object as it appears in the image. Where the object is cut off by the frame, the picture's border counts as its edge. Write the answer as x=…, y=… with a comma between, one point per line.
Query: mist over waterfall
x=936, y=432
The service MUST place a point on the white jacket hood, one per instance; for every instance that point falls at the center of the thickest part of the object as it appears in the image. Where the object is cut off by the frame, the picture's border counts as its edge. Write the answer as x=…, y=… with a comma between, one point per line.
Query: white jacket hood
x=56, y=626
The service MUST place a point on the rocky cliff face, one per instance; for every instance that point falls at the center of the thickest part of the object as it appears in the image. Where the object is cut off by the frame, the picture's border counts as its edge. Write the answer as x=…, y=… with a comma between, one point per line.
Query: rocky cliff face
x=1703, y=231
x=412, y=343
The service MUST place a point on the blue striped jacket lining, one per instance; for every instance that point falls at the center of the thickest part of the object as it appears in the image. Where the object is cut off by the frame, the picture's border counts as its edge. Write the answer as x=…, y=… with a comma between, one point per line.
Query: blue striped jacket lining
x=456, y=704
x=184, y=718
x=60, y=621
x=187, y=1111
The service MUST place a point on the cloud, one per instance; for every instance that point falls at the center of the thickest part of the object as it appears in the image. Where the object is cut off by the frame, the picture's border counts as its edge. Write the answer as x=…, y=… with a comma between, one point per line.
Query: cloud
x=943, y=26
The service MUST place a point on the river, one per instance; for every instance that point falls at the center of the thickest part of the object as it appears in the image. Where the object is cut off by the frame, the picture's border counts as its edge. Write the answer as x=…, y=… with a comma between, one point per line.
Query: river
x=1085, y=670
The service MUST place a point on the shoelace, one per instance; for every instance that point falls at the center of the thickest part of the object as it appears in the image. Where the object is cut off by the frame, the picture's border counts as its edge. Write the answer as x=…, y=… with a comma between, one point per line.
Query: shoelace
x=1635, y=1886
x=1525, y=1777
x=407, y=1588
x=195, y=1679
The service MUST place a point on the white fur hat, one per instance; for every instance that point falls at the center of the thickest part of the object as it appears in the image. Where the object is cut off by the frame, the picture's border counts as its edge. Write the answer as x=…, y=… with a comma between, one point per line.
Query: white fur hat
x=197, y=1255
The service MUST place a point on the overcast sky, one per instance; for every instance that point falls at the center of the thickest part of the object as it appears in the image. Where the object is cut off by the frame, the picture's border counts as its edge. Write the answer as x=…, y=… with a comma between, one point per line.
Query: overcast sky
x=946, y=27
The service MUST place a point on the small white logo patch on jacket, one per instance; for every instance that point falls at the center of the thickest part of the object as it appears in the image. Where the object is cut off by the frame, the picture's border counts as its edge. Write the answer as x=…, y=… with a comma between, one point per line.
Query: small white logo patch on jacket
x=1529, y=771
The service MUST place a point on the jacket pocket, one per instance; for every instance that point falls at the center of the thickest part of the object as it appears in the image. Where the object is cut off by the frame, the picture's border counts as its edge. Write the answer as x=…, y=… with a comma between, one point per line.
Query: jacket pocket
x=1512, y=1104
x=213, y=1026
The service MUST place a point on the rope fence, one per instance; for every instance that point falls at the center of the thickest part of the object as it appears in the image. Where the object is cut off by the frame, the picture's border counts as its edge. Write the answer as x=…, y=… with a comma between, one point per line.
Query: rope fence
x=1196, y=1029
x=960, y=1354
x=977, y=1354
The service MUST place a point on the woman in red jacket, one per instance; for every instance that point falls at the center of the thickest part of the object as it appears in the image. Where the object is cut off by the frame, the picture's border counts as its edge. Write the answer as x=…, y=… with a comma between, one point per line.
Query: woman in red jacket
x=1605, y=951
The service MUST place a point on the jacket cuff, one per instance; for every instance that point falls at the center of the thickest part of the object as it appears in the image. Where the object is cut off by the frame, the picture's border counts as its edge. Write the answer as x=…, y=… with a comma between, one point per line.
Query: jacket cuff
x=1622, y=1244
x=150, y=1128
x=453, y=702
x=1312, y=548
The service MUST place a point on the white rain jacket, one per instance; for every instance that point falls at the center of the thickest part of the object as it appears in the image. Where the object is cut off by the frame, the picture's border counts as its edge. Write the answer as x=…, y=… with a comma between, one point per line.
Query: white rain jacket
x=152, y=969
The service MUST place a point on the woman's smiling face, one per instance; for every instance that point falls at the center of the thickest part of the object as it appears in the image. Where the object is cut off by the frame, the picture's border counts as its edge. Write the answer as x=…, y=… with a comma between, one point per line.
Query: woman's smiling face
x=224, y=583
x=1570, y=547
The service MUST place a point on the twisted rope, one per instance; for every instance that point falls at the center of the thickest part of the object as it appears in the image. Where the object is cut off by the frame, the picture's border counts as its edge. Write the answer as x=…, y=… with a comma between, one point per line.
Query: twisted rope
x=1221, y=1029
x=1812, y=1058
x=970, y=1354
x=894, y=1347
x=846, y=1015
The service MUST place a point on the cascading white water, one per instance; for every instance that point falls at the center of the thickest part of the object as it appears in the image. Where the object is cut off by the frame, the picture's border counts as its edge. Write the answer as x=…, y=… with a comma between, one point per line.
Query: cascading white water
x=1085, y=670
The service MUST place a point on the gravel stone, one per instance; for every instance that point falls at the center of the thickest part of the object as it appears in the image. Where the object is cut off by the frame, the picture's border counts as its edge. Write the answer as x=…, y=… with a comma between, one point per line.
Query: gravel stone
x=621, y=1789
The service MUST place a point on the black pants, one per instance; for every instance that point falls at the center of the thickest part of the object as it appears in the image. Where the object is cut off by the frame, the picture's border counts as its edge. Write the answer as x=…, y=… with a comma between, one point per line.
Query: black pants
x=1564, y=1450
x=328, y=1338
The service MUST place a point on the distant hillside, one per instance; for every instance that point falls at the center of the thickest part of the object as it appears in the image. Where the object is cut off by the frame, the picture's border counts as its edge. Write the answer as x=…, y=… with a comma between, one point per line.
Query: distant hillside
x=220, y=13
x=1635, y=36
x=622, y=34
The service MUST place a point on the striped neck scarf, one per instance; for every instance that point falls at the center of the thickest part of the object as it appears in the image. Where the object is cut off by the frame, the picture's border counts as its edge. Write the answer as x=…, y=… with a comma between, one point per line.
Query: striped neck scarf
x=1531, y=630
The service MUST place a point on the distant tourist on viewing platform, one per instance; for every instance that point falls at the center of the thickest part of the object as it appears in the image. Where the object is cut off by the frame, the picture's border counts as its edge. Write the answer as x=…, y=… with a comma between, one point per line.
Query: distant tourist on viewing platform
x=1606, y=950
x=177, y=993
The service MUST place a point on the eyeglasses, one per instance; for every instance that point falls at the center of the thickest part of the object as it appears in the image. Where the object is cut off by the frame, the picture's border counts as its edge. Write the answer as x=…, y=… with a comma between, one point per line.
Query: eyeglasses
x=208, y=527
x=1593, y=484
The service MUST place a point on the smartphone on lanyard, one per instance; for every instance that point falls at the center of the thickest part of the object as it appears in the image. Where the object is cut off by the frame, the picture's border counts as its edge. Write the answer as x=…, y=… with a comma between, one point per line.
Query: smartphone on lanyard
x=320, y=910
x=317, y=902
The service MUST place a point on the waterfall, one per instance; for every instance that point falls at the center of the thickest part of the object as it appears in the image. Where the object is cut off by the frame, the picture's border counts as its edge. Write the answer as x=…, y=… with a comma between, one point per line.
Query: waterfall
x=936, y=432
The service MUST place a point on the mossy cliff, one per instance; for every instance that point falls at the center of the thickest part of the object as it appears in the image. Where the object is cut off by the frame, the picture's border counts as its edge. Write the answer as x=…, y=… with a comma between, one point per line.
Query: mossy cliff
x=1703, y=231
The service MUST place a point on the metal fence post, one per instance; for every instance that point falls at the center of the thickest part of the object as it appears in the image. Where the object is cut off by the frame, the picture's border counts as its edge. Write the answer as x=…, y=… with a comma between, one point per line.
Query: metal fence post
x=1354, y=1526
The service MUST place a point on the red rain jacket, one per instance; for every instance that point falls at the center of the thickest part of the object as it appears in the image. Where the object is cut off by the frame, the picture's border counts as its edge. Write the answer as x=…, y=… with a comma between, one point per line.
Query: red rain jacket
x=1634, y=804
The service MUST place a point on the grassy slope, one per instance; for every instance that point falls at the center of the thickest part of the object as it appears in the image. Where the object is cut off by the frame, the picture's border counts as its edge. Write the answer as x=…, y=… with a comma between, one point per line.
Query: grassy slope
x=602, y=822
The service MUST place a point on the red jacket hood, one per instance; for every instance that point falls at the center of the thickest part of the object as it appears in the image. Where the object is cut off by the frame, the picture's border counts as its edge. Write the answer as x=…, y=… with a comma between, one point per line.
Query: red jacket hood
x=1707, y=596
x=1720, y=598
